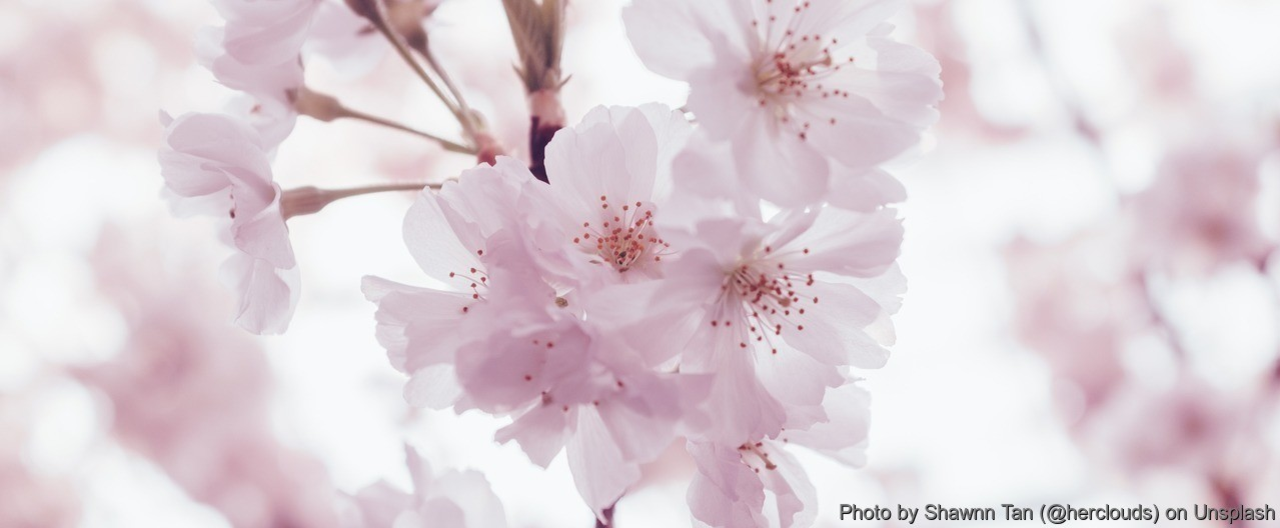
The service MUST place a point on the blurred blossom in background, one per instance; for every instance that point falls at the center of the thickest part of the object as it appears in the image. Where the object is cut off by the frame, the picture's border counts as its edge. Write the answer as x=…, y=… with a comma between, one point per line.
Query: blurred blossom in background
x=1093, y=314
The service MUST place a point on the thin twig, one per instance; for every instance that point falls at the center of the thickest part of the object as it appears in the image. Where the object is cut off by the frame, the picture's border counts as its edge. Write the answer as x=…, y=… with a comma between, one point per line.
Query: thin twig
x=417, y=68
x=467, y=116
x=390, y=187
x=1161, y=322
x=310, y=200
x=448, y=145
x=327, y=108
x=1064, y=89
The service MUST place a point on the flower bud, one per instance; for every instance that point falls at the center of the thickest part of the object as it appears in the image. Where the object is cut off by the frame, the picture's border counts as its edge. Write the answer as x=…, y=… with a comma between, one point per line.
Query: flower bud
x=318, y=106
x=303, y=201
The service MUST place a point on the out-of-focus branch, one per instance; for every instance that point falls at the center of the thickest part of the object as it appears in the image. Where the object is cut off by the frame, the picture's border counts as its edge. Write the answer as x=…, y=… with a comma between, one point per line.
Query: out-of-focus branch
x=1265, y=266
x=1064, y=90
x=1159, y=320
x=538, y=31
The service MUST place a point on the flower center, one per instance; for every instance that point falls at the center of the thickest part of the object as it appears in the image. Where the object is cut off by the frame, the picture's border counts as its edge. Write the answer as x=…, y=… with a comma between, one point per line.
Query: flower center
x=473, y=279
x=771, y=299
x=756, y=457
x=791, y=67
x=624, y=237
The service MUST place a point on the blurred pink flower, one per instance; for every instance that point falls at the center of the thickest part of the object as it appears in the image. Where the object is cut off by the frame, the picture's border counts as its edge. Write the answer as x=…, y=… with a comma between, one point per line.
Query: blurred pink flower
x=794, y=85
x=961, y=118
x=508, y=344
x=1078, y=305
x=1201, y=212
x=193, y=397
x=522, y=350
x=1158, y=59
x=457, y=499
x=217, y=166
x=64, y=74
x=1215, y=435
x=30, y=499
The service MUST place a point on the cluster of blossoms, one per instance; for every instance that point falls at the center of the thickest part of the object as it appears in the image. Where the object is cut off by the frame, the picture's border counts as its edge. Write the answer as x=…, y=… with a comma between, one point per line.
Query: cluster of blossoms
x=1091, y=303
x=710, y=275
x=1100, y=305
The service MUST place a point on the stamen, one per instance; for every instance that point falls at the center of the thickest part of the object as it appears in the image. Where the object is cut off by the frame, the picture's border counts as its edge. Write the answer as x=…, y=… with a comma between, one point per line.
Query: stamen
x=768, y=295
x=791, y=67
x=626, y=239
x=756, y=453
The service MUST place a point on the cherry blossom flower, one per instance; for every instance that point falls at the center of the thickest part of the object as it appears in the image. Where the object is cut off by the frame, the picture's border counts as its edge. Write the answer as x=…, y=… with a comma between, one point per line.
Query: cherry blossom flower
x=460, y=499
x=610, y=178
x=258, y=50
x=620, y=152
x=541, y=281
x=793, y=85
x=519, y=348
x=542, y=324
x=781, y=307
x=217, y=166
x=730, y=486
x=417, y=325
x=516, y=347
x=573, y=386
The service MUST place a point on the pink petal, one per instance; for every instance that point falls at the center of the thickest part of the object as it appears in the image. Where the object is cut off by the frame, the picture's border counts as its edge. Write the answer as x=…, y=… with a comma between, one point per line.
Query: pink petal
x=600, y=472
x=541, y=433
x=268, y=295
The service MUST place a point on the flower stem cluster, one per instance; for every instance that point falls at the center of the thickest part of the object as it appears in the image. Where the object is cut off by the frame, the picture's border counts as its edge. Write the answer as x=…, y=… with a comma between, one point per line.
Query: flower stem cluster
x=638, y=281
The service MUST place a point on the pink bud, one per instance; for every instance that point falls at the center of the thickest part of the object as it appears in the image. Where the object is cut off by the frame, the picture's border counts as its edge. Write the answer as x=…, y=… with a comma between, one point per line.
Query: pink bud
x=303, y=201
